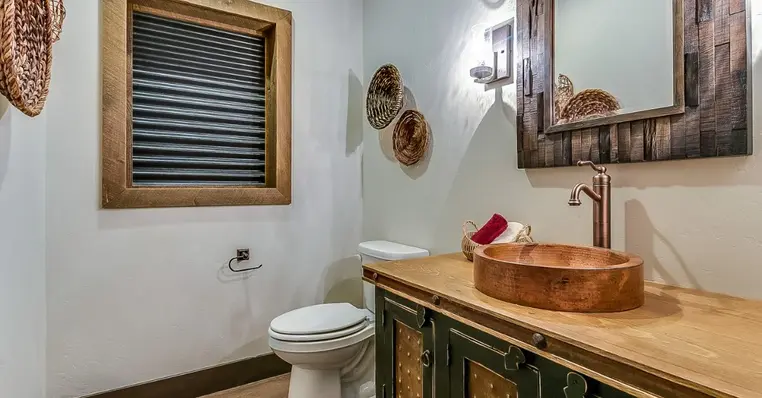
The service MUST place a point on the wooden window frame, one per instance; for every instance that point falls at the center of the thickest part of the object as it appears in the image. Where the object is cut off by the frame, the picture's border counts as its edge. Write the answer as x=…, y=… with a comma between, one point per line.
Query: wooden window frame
x=242, y=16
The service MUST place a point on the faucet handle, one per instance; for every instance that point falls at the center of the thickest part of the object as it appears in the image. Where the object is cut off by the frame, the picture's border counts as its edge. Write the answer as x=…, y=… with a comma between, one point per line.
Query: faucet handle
x=599, y=169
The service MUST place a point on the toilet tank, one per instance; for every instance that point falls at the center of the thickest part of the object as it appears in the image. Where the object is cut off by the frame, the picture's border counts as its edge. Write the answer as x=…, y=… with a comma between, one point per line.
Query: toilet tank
x=381, y=250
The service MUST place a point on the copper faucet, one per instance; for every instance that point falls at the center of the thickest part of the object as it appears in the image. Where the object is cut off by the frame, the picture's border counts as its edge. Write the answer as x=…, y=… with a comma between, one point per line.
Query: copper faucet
x=600, y=193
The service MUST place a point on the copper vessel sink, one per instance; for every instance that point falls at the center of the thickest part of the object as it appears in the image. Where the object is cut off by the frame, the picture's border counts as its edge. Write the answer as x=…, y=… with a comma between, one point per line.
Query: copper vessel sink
x=560, y=277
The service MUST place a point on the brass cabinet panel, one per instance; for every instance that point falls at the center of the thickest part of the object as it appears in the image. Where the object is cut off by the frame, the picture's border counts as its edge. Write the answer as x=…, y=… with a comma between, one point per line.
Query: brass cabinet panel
x=408, y=349
x=484, y=383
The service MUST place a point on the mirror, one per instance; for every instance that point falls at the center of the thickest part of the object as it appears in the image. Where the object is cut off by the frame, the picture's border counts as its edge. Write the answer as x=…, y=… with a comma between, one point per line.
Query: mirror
x=612, y=58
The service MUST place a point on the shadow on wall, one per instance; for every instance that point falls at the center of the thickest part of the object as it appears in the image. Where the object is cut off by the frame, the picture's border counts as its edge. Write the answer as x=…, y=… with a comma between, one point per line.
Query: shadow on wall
x=355, y=111
x=242, y=322
x=5, y=138
x=640, y=238
x=481, y=184
x=342, y=282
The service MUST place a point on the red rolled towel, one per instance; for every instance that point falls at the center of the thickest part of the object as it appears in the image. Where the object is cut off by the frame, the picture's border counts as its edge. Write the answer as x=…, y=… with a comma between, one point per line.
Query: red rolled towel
x=491, y=230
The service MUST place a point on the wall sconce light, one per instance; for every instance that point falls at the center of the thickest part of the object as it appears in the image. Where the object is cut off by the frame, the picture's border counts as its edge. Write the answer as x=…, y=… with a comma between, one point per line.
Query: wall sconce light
x=495, y=55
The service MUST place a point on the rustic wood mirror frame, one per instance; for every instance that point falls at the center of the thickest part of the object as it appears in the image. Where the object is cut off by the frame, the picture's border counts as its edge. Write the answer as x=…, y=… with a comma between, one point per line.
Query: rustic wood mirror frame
x=711, y=115
x=243, y=16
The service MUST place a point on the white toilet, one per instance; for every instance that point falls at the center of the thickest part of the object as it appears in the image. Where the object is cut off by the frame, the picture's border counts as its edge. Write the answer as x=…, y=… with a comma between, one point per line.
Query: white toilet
x=331, y=346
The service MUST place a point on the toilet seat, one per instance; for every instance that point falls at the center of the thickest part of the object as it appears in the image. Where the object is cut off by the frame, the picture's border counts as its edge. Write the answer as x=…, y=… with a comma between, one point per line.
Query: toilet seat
x=318, y=319
x=324, y=345
x=321, y=327
x=297, y=338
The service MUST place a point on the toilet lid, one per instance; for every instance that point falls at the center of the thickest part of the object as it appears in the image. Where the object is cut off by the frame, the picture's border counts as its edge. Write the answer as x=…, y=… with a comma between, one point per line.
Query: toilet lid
x=318, y=319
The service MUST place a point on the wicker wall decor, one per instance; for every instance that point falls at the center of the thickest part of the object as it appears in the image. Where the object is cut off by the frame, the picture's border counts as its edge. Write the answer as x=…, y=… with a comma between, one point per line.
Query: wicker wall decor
x=592, y=102
x=570, y=107
x=411, y=138
x=385, y=96
x=26, y=51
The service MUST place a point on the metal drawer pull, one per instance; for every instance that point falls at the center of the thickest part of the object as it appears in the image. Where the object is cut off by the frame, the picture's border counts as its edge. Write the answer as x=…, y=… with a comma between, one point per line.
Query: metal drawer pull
x=513, y=358
x=426, y=359
x=576, y=386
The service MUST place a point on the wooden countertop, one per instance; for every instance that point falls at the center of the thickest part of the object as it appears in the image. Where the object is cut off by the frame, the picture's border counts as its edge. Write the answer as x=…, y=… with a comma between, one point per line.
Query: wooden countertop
x=708, y=343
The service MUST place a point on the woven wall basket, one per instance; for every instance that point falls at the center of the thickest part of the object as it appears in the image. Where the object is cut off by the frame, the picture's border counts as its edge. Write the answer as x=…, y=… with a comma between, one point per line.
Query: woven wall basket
x=411, y=138
x=589, y=103
x=385, y=96
x=26, y=52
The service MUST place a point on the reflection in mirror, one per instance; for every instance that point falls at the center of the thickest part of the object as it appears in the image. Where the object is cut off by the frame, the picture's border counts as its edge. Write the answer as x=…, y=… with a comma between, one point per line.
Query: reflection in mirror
x=611, y=58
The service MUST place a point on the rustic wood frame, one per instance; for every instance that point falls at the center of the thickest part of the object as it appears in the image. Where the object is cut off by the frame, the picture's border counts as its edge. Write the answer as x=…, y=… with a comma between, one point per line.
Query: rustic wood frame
x=244, y=16
x=711, y=116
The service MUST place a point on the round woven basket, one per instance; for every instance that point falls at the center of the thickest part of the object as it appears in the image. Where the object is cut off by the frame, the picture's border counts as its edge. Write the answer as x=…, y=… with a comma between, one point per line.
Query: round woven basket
x=411, y=138
x=26, y=52
x=590, y=102
x=385, y=96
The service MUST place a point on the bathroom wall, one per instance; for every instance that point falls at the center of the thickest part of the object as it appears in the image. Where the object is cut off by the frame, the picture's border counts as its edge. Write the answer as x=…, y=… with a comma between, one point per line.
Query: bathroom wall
x=22, y=253
x=629, y=55
x=695, y=222
x=135, y=295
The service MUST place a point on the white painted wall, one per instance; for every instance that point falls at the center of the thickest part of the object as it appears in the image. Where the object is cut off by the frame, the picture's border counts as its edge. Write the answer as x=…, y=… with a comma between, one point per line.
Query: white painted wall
x=696, y=223
x=22, y=254
x=623, y=47
x=135, y=295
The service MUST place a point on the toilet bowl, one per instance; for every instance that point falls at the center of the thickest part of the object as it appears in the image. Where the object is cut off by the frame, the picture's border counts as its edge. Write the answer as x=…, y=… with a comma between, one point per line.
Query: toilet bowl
x=331, y=347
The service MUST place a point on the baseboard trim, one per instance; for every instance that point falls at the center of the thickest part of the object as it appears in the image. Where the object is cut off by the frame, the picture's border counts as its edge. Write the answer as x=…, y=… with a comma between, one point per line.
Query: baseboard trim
x=204, y=381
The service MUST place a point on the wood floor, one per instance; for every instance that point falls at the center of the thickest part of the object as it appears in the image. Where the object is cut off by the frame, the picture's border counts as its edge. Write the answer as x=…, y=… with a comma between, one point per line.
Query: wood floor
x=275, y=387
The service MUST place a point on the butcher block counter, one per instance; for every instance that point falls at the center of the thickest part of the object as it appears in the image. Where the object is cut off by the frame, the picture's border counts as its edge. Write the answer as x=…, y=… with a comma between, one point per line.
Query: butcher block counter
x=681, y=343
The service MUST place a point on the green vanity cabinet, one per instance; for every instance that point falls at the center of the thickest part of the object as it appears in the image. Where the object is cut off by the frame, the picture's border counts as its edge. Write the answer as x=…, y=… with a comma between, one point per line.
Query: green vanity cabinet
x=422, y=353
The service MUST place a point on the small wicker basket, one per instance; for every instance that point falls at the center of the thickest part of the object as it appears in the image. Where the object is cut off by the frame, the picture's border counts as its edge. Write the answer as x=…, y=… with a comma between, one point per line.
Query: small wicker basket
x=468, y=246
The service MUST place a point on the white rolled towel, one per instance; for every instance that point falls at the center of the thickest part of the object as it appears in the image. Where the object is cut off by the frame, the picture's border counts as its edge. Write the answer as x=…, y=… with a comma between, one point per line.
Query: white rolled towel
x=510, y=234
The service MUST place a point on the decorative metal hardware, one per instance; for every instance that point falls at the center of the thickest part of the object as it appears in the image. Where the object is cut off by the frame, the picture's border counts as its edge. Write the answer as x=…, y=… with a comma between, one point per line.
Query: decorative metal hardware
x=435, y=299
x=383, y=318
x=383, y=391
x=448, y=358
x=422, y=316
x=513, y=358
x=539, y=341
x=375, y=276
x=426, y=359
x=576, y=386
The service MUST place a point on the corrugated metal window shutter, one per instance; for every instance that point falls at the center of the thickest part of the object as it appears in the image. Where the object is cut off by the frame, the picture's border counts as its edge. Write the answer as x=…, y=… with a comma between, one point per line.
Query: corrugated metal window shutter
x=198, y=113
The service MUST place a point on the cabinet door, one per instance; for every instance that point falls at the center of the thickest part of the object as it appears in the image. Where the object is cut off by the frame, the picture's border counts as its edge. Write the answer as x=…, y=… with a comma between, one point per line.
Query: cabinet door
x=481, y=368
x=404, y=348
x=481, y=365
